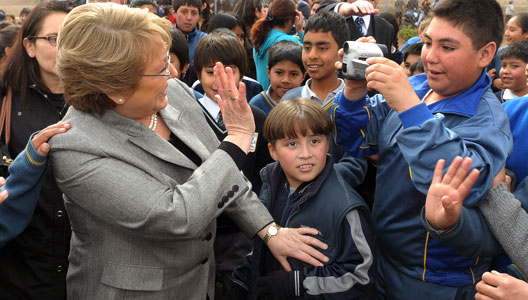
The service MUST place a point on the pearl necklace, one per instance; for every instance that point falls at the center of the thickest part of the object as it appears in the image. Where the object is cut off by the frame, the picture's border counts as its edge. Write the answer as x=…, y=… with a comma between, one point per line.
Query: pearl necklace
x=153, y=122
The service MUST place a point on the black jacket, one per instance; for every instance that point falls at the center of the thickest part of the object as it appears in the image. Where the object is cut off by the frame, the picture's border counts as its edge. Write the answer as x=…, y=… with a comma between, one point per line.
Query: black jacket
x=34, y=264
x=379, y=28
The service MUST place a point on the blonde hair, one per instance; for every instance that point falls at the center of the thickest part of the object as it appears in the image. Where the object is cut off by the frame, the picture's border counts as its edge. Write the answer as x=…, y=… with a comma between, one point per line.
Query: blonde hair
x=103, y=48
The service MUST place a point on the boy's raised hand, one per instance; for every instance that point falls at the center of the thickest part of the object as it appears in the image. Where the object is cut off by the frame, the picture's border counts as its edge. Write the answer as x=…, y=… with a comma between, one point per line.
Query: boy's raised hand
x=391, y=81
x=446, y=194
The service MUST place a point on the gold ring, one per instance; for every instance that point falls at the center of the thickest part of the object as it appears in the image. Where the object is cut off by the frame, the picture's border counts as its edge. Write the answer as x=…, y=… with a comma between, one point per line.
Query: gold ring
x=233, y=98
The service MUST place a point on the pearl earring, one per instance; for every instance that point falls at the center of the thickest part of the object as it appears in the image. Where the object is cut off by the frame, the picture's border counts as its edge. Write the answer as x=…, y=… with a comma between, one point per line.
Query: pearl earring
x=120, y=101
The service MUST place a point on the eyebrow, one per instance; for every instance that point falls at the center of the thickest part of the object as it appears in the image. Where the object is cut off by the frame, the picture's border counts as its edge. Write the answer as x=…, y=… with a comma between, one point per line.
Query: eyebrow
x=317, y=43
x=444, y=40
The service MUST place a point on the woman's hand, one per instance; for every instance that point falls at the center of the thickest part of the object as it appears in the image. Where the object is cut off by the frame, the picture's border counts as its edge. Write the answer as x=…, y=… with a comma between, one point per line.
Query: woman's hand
x=40, y=140
x=446, y=194
x=296, y=243
x=495, y=285
x=236, y=113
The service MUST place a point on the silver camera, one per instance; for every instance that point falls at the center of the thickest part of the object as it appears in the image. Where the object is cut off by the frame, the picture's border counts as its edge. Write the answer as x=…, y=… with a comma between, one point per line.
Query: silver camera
x=355, y=56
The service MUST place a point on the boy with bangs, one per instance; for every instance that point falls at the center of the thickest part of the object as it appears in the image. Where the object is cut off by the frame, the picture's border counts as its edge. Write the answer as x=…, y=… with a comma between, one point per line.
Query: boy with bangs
x=449, y=111
x=285, y=72
x=230, y=245
x=512, y=72
x=303, y=188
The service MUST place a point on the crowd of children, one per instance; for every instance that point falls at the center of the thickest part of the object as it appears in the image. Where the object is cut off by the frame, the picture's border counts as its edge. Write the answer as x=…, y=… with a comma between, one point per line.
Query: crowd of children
x=355, y=159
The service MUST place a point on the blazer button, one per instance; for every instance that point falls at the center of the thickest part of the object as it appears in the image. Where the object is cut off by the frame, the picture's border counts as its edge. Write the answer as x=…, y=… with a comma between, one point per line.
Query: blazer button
x=204, y=261
x=225, y=199
x=235, y=188
x=221, y=204
x=60, y=213
x=230, y=194
x=208, y=237
x=59, y=268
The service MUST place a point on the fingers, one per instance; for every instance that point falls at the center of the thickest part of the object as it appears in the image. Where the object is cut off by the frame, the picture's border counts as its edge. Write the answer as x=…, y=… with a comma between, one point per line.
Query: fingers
x=284, y=263
x=3, y=195
x=461, y=172
x=468, y=183
x=451, y=171
x=242, y=93
x=438, y=171
x=45, y=134
x=500, y=177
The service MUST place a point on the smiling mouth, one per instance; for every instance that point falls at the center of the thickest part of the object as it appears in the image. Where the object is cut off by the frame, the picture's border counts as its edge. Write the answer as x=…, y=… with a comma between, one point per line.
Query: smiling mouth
x=304, y=167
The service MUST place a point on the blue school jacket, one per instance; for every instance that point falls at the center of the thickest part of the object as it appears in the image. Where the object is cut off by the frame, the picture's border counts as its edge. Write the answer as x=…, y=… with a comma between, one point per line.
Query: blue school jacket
x=472, y=124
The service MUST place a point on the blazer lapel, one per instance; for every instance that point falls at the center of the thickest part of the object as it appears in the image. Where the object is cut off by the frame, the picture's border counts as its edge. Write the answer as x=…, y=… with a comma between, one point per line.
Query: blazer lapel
x=191, y=129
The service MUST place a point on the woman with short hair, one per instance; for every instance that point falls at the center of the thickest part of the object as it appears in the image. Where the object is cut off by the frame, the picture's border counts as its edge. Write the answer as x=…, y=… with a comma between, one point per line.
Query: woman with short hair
x=143, y=175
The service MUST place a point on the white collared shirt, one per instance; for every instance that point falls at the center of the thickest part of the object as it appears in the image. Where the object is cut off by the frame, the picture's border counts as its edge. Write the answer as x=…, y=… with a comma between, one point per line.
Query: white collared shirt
x=213, y=109
x=509, y=95
x=309, y=94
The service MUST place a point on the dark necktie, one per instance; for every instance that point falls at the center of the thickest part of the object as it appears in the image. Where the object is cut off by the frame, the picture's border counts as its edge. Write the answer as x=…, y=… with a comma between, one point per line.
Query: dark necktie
x=220, y=121
x=360, y=23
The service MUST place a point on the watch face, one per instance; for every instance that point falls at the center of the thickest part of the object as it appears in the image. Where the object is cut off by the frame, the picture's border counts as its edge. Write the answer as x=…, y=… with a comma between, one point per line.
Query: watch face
x=272, y=230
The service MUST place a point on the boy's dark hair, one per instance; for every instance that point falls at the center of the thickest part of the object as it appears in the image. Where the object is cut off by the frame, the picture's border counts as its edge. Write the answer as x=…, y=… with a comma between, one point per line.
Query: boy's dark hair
x=480, y=20
x=285, y=50
x=179, y=47
x=522, y=19
x=329, y=21
x=412, y=49
x=517, y=50
x=139, y=3
x=246, y=10
x=417, y=65
x=296, y=116
x=221, y=45
x=226, y=20
x=25, y=11
x=7, y=37
x=196, y=3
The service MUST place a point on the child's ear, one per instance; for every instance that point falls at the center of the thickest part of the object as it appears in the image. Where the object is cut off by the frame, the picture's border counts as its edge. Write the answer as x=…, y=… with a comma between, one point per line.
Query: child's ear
x=184, y=70
x=486, y=54
x=272, y=152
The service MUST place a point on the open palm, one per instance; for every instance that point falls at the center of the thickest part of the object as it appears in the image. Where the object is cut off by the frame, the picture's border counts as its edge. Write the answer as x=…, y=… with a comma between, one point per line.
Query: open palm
x=446, y=194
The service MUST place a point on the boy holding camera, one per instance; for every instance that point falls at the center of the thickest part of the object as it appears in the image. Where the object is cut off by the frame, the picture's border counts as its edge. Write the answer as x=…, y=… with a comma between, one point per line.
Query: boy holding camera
x=448, y=111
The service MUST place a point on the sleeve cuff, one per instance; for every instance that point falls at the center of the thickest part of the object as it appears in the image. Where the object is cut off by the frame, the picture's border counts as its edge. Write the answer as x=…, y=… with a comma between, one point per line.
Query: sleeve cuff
x=351, y=105
x=438, y=232
x=415, y=116
x=238, y=156
x=32, y=154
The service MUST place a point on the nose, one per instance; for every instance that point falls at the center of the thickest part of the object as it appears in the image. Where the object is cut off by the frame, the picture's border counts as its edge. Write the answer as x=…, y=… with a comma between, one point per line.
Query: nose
x=304, y=150
x=173, y=72
x=430, y=55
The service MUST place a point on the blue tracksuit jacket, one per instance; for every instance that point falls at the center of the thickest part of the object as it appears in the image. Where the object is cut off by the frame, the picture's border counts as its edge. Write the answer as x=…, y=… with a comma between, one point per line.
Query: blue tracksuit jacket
x=472, y=124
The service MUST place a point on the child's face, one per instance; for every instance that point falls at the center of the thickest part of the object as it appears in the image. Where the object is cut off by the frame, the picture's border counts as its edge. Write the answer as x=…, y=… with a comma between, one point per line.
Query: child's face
x=186, y=18
x=301, y=158
x=411, y=59
x=450, y=62
x=514, y=32
x=207, y=79
x=513, y=74
x=319, y=54
x=284, y=76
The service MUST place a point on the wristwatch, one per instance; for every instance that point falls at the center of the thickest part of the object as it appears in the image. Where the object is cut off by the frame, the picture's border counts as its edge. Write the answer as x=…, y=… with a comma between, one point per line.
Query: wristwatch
x=272, y=231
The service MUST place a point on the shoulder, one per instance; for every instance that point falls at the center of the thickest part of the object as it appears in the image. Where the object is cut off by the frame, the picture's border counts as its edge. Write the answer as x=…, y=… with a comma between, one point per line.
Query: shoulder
x=293, y=93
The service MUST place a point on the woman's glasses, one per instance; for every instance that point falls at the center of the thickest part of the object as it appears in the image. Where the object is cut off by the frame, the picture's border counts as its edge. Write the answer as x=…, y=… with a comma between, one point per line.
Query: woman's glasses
x=166, y=71
x=52, y=38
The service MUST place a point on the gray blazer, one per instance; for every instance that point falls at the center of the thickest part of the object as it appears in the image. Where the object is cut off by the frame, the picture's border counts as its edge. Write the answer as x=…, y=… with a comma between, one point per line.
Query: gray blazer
x=142, y=213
